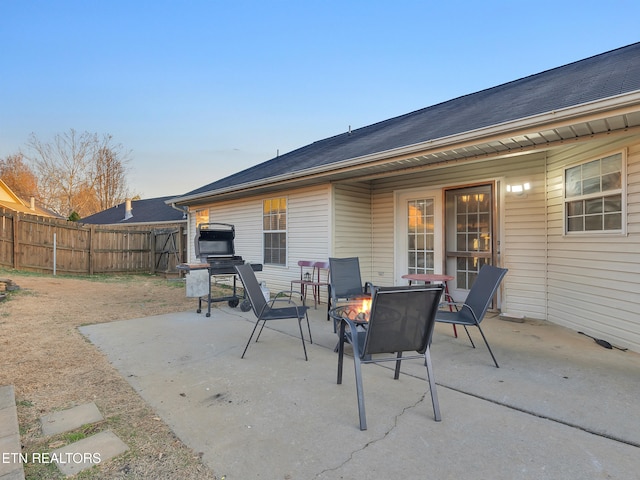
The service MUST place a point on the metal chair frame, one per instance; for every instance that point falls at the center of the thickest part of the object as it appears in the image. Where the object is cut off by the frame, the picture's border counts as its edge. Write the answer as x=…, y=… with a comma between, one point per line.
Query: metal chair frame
x=410, y=331
x=475, y=306
x=267, y=311
x=311, y=276
x=345, y=283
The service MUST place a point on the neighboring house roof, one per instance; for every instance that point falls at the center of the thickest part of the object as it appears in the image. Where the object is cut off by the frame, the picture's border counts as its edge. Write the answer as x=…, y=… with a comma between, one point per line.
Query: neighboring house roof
x=10, y=201
x=561, y=93
x=151, y=210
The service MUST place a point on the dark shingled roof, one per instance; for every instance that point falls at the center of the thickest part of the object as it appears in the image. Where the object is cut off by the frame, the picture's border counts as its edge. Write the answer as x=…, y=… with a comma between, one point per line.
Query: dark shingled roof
x=595, y=78
x=151, y=210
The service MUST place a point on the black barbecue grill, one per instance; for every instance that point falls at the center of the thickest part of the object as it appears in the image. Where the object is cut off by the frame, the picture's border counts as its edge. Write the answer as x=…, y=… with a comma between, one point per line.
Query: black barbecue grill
x=215, y=250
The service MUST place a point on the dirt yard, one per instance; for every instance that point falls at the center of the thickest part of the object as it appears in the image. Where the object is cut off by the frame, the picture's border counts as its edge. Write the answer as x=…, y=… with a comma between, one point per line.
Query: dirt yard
x=53, y=367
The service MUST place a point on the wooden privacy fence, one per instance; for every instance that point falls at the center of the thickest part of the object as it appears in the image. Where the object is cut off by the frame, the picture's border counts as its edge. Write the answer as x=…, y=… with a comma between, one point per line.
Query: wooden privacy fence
x=30, y=242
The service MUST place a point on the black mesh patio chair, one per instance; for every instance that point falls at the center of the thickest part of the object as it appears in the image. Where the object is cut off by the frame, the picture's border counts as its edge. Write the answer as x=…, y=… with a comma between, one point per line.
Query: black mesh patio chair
x=267, y=311
x=345, y=283
x=401, y=320
x=475, y=306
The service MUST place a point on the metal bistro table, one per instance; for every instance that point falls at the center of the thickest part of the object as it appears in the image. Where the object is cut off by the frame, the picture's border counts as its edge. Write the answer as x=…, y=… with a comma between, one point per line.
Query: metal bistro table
x=430, y=278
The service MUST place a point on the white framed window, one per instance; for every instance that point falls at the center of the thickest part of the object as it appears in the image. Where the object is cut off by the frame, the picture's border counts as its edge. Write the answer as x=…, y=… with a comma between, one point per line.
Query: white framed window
x=274, y=231
x=202, y=216
x=594, y=196
x=420, y=235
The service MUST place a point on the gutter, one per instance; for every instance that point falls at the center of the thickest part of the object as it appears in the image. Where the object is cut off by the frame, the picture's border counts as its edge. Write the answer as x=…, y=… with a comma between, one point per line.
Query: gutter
x=590, y=111
x=184, y=210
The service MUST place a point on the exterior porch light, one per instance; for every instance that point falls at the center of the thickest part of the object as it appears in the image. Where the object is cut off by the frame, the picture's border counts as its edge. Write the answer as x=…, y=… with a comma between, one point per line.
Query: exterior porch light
x=519, y=189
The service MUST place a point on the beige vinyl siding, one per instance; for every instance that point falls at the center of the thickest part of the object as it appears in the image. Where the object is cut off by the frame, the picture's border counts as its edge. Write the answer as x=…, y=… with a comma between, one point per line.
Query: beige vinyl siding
x=383, y=248
x=594, y=279
x=352, y=233
x=307, y=231
x=522, y=246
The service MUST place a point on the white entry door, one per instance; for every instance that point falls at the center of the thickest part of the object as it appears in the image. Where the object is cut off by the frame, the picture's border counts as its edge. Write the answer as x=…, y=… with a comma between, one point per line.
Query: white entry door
x=419, y=233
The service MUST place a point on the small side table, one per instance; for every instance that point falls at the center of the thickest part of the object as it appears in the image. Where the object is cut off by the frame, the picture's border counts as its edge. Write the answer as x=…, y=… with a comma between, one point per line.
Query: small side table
x=430, y=278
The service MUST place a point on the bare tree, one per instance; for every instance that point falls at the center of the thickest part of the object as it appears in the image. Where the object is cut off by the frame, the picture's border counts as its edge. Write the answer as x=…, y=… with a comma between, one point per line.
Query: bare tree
x=63, y=167
x=110, y=182
x=19, y=177
x=79, y=173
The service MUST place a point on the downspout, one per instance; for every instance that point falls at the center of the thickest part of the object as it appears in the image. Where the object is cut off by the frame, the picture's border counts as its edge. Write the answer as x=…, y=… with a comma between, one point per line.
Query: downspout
x=185, y=214
x=184, y=210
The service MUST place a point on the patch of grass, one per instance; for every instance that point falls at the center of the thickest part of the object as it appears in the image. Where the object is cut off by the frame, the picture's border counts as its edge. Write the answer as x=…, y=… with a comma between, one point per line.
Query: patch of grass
x=74, y=436
x=22, y=292
x=41, y=471
x=100, y=278
x=24, y=403
x=9, y=272
x=175, y=282
x=92, y=472
x=12, y=294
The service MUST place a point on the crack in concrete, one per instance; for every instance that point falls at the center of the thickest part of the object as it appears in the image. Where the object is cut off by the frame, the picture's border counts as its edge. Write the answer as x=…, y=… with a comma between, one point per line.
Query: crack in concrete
x=544, y=417
x=376, y=440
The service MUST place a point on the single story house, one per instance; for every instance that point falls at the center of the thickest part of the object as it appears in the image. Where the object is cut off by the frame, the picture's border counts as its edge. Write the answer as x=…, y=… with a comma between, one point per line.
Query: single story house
x=10, y=201
x=154, y=212
x=540, y=175
x=166, y=224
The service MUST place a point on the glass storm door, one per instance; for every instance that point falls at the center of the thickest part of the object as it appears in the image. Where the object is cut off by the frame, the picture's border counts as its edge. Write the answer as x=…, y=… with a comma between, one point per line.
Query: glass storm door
x=469, y=235
x=419, y=234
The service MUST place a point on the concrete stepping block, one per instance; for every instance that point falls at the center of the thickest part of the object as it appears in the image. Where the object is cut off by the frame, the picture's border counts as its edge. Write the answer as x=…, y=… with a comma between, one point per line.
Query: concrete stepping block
x=88, y=452
x=70, y=419
x=11, y=467
x=8, y=421
x=7, y=396
x=13, y=475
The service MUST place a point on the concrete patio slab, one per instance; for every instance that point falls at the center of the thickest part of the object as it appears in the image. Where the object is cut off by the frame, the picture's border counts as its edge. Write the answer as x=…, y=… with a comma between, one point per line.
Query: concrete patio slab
x=559, y=406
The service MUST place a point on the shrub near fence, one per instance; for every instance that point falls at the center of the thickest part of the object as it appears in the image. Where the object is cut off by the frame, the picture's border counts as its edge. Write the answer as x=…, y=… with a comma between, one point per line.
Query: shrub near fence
x=30, y=242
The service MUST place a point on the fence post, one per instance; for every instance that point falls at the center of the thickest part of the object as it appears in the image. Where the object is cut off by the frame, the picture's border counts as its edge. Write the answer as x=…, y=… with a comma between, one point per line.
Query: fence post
x=152, y=251
x=91, y=235
x=16, y=244
x=180, y=245
x=55, y=254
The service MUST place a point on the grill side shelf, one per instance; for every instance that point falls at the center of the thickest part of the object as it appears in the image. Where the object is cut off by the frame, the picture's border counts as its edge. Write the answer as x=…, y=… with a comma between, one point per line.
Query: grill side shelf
x=219, y=268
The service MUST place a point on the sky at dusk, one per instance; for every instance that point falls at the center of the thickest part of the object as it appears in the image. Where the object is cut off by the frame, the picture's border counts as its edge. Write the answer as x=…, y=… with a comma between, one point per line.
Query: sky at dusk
x=198, y=90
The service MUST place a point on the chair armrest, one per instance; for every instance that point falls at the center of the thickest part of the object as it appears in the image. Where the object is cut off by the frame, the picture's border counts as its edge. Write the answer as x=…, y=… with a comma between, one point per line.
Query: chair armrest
x=464, y=305
x=286, y=295
x=353, y=326
x=460, y=305
x=353, y=337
